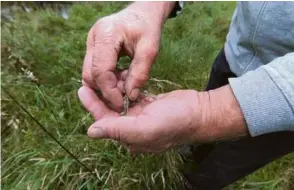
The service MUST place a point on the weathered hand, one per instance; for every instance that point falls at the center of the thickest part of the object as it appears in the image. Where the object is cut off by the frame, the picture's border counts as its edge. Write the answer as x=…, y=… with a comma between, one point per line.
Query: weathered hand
x=165, y=121
x=135, y=32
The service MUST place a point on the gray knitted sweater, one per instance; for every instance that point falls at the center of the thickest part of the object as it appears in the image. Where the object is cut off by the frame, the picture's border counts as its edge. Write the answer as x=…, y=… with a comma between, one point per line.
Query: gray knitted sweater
x=259, y=49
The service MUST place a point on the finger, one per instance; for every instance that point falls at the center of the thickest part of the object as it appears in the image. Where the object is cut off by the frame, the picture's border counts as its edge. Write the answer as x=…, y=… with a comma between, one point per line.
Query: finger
x=121, y=74
x=109, y=89
x=84, y=83
x=87, y=69
x=123, y=129
x=121, y=86
x=107, y=48
x=145, y=54
x=121, y=77
x=93, y=104
x=87, y=65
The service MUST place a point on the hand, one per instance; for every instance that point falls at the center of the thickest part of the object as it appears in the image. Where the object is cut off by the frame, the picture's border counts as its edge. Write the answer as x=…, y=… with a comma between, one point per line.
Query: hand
x=135, y=32
x=167, y=120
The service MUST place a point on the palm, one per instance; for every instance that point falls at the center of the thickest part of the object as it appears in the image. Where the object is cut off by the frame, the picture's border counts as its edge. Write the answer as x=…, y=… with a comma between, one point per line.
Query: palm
x=162, y=122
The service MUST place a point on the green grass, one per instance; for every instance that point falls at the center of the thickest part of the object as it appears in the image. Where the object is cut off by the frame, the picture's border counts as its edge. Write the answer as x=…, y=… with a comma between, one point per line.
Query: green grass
x=52, y=49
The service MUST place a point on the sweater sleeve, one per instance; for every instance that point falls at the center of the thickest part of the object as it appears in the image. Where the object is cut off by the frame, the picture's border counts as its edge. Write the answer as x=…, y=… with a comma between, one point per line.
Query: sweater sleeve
x=266, y=96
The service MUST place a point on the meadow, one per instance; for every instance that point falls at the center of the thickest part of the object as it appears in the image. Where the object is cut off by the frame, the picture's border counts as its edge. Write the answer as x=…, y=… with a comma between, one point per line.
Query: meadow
x=41, y=61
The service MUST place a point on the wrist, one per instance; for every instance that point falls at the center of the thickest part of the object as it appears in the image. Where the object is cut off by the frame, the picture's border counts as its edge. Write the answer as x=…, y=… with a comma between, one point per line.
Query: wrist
x=226, y=113
x=224, y=118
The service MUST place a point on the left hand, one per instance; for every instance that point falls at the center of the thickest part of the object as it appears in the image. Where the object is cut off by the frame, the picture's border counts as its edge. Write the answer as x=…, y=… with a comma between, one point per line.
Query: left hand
x=159, y=123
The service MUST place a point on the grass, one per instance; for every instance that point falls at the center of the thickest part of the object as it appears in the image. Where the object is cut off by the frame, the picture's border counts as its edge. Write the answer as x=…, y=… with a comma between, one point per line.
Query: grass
x=42, y=55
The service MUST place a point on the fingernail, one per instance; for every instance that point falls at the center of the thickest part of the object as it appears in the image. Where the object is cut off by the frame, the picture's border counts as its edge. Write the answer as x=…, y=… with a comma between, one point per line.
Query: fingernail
x=95, y=132
x=134, y=94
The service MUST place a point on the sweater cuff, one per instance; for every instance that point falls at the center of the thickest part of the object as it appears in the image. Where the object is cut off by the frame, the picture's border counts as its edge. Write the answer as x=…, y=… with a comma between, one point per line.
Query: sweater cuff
x=264, y=106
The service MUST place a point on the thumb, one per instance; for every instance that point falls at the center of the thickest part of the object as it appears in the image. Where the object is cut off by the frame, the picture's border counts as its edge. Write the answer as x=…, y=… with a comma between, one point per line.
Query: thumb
x=145, y=54
x=122, y=129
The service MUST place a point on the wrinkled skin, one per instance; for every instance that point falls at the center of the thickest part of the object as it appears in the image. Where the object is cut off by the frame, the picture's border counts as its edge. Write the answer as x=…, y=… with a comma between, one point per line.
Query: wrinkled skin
x=132, y=33
x=151, y=125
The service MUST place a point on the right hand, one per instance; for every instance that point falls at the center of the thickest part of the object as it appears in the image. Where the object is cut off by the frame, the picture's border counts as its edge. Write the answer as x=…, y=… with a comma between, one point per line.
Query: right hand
x=135, y=32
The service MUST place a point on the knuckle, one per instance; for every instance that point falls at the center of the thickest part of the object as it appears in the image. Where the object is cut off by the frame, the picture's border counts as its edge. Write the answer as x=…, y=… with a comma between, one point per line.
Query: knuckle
x=105, y=78
x=140, y=77
x=86, y=77
x=151, y=50
x=106, y=35
x=99, y=24
x=116, y=134
x=96, y=69
x=113, y=133
x=103, y=21
x=105, y=29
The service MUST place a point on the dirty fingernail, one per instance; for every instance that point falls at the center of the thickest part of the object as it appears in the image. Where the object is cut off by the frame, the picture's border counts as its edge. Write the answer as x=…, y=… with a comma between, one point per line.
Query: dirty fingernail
x=134, y=94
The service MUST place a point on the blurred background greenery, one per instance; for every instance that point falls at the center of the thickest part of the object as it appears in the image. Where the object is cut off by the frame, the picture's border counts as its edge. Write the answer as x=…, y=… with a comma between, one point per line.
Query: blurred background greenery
x=42, y=50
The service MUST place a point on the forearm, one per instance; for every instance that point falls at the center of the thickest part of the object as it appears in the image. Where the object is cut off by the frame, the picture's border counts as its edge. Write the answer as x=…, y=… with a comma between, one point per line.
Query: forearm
x=222, y=116
x=256, y=103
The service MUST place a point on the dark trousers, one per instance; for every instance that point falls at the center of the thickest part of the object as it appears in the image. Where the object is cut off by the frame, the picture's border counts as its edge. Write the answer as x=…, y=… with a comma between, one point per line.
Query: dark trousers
x=224, y=163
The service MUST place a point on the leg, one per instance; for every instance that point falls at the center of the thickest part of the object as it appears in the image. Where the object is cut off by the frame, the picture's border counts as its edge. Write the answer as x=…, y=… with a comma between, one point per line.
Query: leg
x=230, y=161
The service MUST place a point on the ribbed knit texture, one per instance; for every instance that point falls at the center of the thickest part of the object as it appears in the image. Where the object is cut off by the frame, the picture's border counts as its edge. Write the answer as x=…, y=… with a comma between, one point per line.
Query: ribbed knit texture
x=266, y=96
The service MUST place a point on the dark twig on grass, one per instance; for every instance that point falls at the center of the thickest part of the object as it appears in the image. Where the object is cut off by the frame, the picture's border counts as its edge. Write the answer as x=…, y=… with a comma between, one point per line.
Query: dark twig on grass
x=46, y=131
